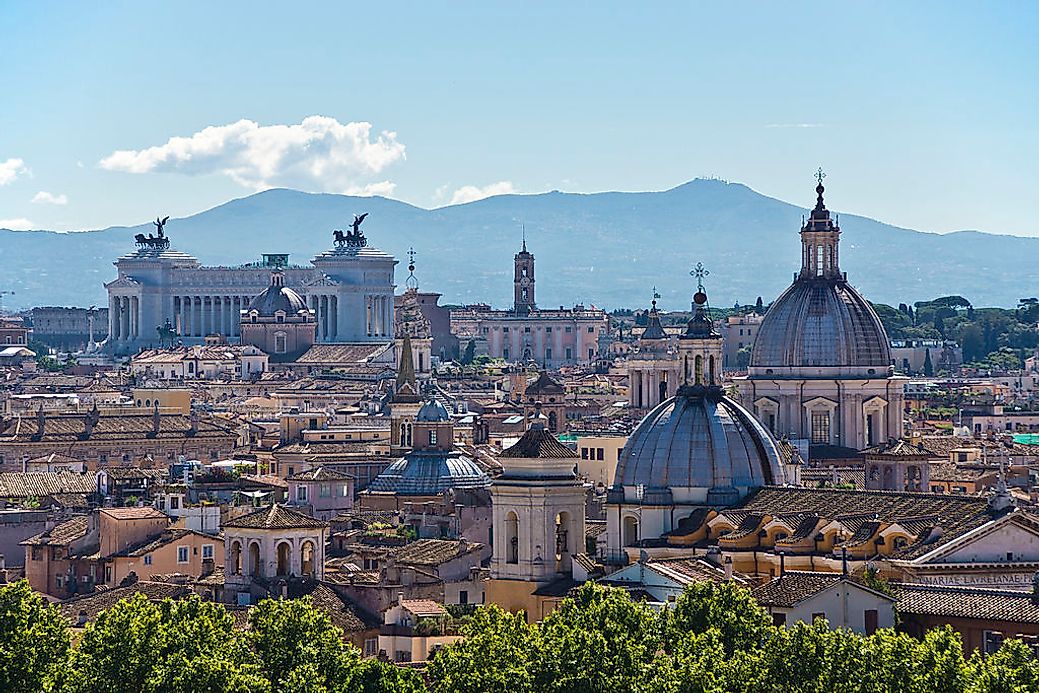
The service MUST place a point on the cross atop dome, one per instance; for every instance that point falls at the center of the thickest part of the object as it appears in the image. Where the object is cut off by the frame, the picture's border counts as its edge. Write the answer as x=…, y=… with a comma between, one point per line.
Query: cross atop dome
x=411, y=282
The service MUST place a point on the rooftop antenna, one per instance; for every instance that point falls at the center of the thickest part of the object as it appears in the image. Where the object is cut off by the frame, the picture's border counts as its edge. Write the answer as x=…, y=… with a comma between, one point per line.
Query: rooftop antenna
x=523, y=231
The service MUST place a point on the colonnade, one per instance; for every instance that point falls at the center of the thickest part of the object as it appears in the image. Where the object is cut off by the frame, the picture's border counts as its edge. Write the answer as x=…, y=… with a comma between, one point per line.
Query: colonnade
x=124, y=318
x=379, y=312
x=326, y=313
x=198, y=316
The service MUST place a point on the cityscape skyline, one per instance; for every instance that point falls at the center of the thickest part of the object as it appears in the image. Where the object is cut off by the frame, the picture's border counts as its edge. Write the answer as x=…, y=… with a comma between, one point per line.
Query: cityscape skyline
x=114, y=119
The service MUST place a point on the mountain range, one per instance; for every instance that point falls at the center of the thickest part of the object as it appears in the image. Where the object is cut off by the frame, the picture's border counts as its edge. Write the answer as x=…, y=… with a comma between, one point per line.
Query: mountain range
x=608, y=249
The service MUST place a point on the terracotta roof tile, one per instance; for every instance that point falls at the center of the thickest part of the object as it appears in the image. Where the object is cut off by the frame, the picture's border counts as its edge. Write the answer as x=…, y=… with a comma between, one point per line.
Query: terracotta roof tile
x=36, y=484
x=967, y=602
x=539, y=443
x=62, y=534
x=275, y=517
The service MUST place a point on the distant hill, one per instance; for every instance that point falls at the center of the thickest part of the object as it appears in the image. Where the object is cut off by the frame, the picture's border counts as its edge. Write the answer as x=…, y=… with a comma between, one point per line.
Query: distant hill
x=607, y=249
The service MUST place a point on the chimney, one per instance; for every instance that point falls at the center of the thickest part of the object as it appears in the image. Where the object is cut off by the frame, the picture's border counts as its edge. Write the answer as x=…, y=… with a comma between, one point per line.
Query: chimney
x=463, y=545
x=844, y=561
x=728, y=568
x=782, y=563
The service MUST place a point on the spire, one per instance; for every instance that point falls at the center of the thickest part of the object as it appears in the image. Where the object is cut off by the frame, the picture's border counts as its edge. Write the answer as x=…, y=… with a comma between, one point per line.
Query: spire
x=654, y=330
x=406, y=367
x=523, y=231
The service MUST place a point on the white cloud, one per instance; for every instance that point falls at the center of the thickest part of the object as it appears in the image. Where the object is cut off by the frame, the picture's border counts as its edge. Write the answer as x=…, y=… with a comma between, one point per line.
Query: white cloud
x=471, y=193
x=320, y=154
x=20, y=224
x=384, y=188
x=10, y=170
x=46, y=198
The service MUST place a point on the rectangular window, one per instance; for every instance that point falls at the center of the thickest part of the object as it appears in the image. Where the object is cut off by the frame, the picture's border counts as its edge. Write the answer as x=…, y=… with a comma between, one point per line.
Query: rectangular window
x=600, y=453
x=548, y=330
x=371, y=647
x=992, y=641
x=821, y=427
x=207, y=551
x=584, y=453
x=548, y=352
x=817, y=615
x=182, y=554
x=301, y=494
x=591, y=330
x=569, y=329
x=325, y=490
x=569, y=353
x=463, y=597
x=148, y=559
x=527, y=329
x=778, y=619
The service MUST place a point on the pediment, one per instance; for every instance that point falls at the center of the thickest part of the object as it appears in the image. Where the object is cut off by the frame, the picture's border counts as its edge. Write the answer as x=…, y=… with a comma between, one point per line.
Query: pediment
x=123, y=283
x=1015, y=534
x=820, y=403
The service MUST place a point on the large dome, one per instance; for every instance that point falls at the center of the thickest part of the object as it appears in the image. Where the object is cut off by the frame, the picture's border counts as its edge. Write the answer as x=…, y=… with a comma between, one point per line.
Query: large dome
x=820, y=322
x=430, y=473
x=698, y=447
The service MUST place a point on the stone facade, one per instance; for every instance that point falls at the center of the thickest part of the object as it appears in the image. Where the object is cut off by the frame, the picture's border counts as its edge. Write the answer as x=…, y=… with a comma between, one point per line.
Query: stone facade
x=349, y=288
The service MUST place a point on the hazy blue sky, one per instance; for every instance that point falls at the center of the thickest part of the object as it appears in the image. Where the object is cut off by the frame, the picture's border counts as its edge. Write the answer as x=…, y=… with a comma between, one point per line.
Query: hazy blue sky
x=924, y=114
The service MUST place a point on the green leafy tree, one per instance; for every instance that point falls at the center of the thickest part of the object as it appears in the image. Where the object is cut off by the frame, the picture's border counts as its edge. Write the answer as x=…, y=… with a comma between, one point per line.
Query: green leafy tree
x=34, y=639
x=741, y=623
x=599, y=640
x=180, y=646
x=1012, y=669
x=297, y=643
x=497, y=655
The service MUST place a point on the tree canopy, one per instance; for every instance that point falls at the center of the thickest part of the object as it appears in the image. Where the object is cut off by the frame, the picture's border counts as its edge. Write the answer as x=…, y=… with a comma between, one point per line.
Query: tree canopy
x=713, y=639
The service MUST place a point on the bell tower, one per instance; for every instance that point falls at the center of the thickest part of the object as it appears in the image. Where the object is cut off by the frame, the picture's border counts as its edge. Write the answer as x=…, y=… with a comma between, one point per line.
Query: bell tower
x=523, y=282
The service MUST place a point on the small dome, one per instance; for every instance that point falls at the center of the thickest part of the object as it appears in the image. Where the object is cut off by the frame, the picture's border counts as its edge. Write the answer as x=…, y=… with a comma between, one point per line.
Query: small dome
x=433, y=411
x=277, y=297
x=430, y=473
x=697, y=447
x=821, y=323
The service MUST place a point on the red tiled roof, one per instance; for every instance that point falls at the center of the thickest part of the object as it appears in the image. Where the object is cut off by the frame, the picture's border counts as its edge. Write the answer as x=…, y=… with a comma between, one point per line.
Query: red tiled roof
x=275, y=517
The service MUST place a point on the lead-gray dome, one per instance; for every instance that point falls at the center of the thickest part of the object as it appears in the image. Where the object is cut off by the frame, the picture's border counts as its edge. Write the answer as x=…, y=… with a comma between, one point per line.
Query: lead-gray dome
x=433, y=411
x=430, y=473
x=820, y=322
x=277, y=297
x=696, y=447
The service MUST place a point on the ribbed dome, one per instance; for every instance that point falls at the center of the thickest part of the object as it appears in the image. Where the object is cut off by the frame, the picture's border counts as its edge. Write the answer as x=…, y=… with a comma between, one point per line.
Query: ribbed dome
x=820, y=322
x=697, y=447
x=430, y=473
x=277, y=297
x=433, y=411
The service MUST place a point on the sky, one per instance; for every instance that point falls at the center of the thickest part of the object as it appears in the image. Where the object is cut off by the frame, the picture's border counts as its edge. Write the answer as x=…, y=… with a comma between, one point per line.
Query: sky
x=923, y=114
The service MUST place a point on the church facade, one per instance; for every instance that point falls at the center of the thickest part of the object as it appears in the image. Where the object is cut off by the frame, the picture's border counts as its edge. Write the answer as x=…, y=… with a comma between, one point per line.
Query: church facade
x=349, y=289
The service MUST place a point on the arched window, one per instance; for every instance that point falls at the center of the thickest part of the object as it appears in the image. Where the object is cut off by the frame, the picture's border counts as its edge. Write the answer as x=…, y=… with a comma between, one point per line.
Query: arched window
x=699, y=370
x=710, y=371
x=254, y=560
x=563, y=539
x=553, y=421
x=511, y=538
x=236, y=558
x=284, y=558
x=630, y=533
x=307, y=559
